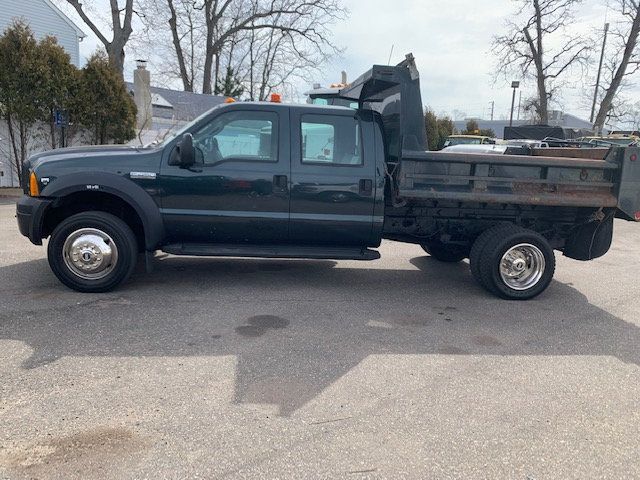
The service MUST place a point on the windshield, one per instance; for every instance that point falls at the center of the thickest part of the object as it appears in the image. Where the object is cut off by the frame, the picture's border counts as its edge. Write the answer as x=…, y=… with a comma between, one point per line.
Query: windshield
x=177, y=130
x=620, y=141
x=451, y=141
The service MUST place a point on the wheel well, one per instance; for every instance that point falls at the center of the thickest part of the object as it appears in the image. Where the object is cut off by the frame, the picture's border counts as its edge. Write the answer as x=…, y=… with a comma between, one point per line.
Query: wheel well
x=93, y=201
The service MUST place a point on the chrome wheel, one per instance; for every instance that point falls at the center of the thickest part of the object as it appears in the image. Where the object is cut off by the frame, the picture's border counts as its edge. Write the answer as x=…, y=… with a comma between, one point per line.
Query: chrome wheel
x=522, y=266
x=90, y=253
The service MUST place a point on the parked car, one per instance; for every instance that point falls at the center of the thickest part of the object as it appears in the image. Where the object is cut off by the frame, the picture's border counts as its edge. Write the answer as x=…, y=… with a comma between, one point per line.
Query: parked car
x=611, y=140
x=453, y=140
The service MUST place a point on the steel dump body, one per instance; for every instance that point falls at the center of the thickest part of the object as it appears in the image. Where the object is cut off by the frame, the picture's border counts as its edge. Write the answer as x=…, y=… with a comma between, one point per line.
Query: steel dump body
x=512, y=179
x=527, y=180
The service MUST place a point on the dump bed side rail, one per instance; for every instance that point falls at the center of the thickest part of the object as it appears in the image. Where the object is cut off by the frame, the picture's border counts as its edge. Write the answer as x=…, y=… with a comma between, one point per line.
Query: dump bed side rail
x=526, y=180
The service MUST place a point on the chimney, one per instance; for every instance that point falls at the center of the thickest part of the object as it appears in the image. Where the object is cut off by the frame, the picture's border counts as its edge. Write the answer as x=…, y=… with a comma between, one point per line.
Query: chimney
x=142, y=94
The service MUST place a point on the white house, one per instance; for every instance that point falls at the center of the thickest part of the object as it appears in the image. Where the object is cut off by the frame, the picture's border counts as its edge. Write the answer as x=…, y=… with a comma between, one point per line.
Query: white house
x=44, y=18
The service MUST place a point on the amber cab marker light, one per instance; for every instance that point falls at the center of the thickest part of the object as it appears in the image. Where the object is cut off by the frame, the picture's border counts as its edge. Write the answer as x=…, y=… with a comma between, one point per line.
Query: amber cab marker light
x=230, y=100
x=276, y=98
x=34, y=188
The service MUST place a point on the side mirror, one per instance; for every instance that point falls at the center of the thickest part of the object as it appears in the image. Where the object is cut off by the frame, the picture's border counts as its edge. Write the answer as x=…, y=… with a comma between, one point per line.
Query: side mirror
x=186, y=152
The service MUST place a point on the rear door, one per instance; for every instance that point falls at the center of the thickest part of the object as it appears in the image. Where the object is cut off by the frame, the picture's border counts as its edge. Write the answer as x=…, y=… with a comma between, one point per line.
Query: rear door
x=332, y=181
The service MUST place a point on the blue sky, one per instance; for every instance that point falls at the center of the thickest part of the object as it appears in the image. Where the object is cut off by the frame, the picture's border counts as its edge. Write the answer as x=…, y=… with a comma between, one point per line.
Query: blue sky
x=451, y=41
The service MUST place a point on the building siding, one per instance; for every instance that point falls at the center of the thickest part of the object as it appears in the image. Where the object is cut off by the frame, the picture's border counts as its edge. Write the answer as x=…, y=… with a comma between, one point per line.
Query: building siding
x=43, y=20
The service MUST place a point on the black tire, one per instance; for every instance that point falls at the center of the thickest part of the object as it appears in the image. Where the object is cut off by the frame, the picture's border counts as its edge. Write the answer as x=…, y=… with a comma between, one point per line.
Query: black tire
x=485, y=238
x=538, y=256
x=119, y=239
x=445, y=253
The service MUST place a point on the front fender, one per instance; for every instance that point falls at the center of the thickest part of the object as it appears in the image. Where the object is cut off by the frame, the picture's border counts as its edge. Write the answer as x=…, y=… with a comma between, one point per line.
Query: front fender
x=119, y=186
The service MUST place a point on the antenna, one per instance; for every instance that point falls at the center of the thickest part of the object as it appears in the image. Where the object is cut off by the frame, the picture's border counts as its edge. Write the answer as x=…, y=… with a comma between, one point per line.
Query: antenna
x=390, y=54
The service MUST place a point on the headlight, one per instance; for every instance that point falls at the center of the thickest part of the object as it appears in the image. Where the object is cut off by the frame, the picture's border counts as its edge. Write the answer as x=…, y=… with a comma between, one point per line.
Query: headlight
x=34, y=187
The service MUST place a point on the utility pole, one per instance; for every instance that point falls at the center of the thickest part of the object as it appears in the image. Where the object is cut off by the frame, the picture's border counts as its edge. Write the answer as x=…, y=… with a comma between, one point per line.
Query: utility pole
x=595, y=95
x=515, y=85
x=493, y=108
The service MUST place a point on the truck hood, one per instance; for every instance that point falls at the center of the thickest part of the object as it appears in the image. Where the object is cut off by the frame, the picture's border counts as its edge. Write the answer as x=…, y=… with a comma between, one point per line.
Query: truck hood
x=85, y=153
x=116, y=159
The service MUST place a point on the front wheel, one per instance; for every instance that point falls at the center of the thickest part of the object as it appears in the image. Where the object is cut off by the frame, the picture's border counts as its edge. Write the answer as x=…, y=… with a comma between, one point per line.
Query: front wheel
x=92, y=252
x=516, y=263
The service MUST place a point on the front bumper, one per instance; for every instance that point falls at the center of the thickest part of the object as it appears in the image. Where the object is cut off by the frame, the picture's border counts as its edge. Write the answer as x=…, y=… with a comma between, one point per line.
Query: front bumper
x=30, y=213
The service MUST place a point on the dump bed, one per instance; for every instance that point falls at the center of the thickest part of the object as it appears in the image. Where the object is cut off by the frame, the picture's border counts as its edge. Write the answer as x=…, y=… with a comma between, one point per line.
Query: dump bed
x=526, y=180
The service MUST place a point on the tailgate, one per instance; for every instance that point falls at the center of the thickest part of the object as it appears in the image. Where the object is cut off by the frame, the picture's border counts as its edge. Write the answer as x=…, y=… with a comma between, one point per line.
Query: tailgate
x=629, y=184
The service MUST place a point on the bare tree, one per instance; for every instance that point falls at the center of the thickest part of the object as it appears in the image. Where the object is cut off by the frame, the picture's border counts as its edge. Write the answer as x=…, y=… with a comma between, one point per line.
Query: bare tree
x=525, y=47
x=621, y=64
x=251, y=38
x=121, y=18
x=176, y=52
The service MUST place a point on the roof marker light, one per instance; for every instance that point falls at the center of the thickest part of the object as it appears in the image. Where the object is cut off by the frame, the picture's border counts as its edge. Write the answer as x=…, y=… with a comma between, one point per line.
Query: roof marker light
x=230, y=100
x=276, y=98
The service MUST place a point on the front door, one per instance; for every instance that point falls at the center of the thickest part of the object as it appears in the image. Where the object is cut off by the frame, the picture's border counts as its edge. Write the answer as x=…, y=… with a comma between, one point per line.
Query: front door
x=238, y=191
x=332, y=181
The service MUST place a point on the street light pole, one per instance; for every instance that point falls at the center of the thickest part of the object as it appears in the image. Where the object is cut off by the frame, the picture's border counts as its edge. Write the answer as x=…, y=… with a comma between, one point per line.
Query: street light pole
x=515, y=85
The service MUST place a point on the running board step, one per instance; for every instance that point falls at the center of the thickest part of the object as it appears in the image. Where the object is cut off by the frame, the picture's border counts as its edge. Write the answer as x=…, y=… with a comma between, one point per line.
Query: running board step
x=271, y=251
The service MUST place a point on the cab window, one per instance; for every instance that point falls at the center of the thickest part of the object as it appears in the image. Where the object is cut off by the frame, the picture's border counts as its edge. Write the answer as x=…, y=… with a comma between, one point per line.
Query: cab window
x=330, y=140
x=242, y=136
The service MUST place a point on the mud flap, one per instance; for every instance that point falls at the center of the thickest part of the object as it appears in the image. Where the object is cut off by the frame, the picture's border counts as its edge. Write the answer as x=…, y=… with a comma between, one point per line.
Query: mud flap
x=591, y=240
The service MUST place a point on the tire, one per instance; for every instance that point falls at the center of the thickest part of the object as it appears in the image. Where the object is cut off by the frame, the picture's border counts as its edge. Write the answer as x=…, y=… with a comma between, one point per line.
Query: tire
x=485, y=238
x=445, y=253
x=92, y=252
x=529, y=271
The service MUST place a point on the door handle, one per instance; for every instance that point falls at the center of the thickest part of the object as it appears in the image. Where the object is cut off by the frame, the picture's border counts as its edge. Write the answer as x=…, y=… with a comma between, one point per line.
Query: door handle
x=366, y=186
x=281, y=181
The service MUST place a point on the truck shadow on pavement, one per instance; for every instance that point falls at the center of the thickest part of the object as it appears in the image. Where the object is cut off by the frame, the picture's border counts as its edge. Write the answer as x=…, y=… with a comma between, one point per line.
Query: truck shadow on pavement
x=296, y=327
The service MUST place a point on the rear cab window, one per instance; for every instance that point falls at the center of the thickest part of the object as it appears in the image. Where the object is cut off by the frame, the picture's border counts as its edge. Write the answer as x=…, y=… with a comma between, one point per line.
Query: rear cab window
x=330, y=140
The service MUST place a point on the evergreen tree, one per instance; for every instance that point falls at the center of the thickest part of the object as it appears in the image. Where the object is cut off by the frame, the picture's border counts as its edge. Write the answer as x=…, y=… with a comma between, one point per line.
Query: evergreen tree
x=229, y=86
x=103, y=104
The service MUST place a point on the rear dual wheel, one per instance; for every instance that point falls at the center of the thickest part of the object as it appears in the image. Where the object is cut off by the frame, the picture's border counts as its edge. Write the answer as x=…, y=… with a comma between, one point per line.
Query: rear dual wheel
x=512, y=262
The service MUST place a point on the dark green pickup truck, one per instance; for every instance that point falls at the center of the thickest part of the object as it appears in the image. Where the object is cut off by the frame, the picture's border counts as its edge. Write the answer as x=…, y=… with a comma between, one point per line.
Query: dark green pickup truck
x=323, y=182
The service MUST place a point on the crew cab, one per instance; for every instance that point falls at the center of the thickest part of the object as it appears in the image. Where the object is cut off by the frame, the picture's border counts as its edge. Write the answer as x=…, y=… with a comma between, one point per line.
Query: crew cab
x=323, y=182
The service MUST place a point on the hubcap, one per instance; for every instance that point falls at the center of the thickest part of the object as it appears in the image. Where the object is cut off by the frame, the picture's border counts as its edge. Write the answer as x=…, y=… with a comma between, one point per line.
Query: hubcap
x=522, y=266
x=90, y=253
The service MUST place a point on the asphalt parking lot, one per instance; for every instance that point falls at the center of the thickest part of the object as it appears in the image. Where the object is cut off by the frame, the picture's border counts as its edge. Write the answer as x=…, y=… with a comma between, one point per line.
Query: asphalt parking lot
x=399, y=368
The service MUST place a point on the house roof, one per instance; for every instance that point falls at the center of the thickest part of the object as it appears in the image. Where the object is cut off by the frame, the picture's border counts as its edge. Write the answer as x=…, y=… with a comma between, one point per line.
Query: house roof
x=180, y=105
x=67, y=20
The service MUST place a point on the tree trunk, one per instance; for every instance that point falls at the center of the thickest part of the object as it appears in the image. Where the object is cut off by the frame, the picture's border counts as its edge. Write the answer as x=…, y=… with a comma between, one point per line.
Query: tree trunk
x=607, y=101
x=538, y=54
x=16, y=157
x=173, y=25
x=209, y=52
x=115, y=50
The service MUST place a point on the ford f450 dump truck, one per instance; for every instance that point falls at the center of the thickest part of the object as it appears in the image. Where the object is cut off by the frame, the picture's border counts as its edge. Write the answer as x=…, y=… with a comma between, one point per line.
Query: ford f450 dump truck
x=323, y=182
